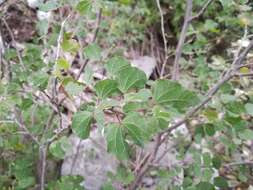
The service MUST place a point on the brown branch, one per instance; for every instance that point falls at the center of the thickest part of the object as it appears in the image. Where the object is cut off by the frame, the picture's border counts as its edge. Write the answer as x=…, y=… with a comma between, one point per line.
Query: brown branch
x=244, y=74
x=179, y=49
x=21, y=124
x=164, y=38
x=239, y=163
x=202, y=11
x=14, y=43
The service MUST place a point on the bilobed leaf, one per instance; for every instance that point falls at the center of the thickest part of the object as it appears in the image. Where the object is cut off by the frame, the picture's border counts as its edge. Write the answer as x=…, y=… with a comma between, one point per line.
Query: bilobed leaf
x=92, y=51
x=116, y=64
x=81, y=123
x=106, y=88
x=167, y=92
x=83, y=6
x=130, y=77
x=135, y=126
x=116, y=143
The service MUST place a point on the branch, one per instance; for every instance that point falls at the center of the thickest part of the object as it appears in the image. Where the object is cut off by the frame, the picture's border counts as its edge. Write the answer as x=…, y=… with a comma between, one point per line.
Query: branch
x=99, y=17
x=201, y=12
x=43, y=161
x=179, y=49
x=21, y=124
x=164, y=38
x=14, y=43
x=239, y=163
x=209, y=95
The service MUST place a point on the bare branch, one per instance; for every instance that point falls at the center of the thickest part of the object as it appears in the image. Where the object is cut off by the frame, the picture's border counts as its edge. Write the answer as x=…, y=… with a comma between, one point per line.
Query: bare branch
x=14, y=43
x=179, y=49
x=209, y=95
x=21, y=124
x=202, y=11
x=164, y=38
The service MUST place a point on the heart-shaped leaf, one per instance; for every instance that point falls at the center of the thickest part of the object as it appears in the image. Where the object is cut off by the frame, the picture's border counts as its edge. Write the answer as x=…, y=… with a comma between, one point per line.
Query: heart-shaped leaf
x=116, y=143
x=130, y=77
x=106, y=88
x=116, y=64
x=81, y=124
x=135, y=126
x=171, y=93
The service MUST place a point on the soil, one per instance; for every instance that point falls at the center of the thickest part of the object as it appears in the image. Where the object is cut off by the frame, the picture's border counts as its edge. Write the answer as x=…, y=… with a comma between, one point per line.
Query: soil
x=20, y=21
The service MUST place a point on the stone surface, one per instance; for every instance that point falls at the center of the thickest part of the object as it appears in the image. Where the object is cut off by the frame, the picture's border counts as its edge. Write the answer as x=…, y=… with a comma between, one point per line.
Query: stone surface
x=89, y=159
x=145, y=63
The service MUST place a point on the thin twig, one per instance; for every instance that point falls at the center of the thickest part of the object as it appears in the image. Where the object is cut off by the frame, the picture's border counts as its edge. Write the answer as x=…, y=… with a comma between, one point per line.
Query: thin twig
x=239, y=163
x=59, y=39
x=19, y=120
x=179, y=49
x=229, y=74
x=202, y=10
x=99, y=17
x=164, y=38
x=14, y=43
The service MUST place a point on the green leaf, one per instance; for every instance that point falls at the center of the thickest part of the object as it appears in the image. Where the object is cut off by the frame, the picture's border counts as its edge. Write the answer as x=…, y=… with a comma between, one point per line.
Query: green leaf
x=58, y=148
x=205, y=186
x=93, y=52
x=249, y=109
x=167, y=92
x=49, y=6
x=116, y=143
x=69, y=183
x=130, y=77
x=83, y=6
x=116, y=64
x=26, y=182
x=209, y=129
x=73, y=88
x=81, y=124
x=106, y=88
x=68, y=44
x=235, y=108
x=62, y=64
x=246, y=134
x=220, y=182
x=142, y=96
x=216, y=162
x=135, y=125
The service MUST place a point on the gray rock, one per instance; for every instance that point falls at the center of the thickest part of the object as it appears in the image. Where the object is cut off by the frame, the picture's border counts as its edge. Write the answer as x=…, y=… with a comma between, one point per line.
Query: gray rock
x=145, y=63
x=89, y=159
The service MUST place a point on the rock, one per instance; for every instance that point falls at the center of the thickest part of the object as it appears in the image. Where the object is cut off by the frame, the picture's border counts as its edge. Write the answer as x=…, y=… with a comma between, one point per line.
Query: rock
x=145, y=63
x=89, y=159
